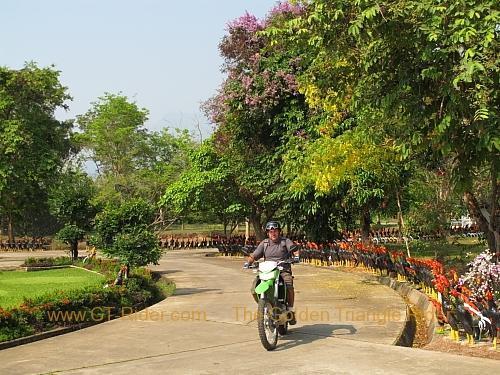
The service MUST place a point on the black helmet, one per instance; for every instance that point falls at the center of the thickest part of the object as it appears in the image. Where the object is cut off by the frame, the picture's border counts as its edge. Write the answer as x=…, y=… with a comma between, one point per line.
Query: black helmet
x=272, y=225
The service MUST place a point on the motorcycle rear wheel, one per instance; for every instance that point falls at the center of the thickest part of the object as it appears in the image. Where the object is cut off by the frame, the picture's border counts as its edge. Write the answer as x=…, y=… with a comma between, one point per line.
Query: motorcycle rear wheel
x=268, y=329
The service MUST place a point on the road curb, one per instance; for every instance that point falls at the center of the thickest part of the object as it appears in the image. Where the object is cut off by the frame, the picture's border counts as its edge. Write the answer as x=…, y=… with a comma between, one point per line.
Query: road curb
x=42, y=336
x=407, y=335
x=418, y=299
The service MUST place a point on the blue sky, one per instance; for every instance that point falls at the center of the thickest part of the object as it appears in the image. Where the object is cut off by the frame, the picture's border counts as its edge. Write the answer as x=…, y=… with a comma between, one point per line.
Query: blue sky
x=161, y=54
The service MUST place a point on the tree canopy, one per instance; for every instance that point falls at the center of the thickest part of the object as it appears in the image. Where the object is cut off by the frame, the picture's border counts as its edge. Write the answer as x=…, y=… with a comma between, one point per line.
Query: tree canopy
x=33, y=144
x=330, y=112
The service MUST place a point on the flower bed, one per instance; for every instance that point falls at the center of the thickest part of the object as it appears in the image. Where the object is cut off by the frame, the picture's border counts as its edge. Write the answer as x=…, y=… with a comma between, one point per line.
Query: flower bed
x=88, y=305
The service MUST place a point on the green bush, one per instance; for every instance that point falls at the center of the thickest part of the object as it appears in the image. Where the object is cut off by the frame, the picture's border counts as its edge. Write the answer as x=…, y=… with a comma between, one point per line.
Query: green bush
x=124, y=232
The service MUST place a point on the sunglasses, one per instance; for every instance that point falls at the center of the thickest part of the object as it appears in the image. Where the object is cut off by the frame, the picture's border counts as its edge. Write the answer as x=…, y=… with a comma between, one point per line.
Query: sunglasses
x=271, y=227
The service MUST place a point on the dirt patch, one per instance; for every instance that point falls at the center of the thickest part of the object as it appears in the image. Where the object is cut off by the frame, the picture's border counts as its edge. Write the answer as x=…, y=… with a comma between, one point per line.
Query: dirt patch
x=421, y=338
x=444, y=344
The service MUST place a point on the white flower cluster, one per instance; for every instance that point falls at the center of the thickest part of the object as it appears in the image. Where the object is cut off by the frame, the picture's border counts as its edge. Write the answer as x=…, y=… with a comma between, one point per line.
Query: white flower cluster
x=483, y=275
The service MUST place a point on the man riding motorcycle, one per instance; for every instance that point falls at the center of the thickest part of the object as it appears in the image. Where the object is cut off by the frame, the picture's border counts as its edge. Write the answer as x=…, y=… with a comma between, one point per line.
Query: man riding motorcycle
x=277, y=248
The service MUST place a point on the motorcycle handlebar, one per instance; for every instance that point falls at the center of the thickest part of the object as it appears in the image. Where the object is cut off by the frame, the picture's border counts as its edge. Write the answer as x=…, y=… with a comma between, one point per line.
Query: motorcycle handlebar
x=288, y=261
x=281, y=262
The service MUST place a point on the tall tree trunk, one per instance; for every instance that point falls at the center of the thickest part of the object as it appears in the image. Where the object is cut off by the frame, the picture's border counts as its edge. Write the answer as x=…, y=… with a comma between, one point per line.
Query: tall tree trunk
x=484, y=225
x=401, y=223
x=10, y=228
x=254, y=219
x=365, y=225
x=494, y=215
x=74, y=250
x=247, y=230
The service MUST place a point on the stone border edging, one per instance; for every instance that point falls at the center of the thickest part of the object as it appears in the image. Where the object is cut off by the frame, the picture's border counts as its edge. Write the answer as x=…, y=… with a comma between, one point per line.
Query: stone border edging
x=46, y=268
x=9, y=268
x=85, y=269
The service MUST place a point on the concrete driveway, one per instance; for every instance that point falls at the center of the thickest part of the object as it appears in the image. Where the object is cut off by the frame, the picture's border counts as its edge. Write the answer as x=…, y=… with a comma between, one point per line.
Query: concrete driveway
x=346, y=325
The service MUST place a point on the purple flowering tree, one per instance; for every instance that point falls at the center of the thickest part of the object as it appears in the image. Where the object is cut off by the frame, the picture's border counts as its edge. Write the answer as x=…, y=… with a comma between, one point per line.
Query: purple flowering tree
x=257, y=109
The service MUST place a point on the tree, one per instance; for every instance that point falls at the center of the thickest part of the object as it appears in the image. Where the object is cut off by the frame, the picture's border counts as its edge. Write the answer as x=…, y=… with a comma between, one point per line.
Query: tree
x=449, y=94
x=343, y=157
x=425, y=74
x=33, y=144
x=257, y=110
x=164, y=158
x=132, y=162
x=71, y=202
x=439, y=75
x=124, y=231
x=71, y=235
x=433, y=200
x=114, y=134
x=207, y=187
x=359, y=172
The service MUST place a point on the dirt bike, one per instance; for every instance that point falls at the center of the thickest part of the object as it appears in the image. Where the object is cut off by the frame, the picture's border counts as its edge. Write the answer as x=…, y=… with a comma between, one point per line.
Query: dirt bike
x=270, y=293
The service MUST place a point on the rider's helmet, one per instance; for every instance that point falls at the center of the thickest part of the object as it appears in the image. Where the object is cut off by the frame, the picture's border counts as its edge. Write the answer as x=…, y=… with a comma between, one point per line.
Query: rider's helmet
x=272, y=225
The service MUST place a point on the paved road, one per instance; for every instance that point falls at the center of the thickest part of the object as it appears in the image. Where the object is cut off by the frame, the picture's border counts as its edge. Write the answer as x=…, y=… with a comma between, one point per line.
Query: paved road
x=346, y=325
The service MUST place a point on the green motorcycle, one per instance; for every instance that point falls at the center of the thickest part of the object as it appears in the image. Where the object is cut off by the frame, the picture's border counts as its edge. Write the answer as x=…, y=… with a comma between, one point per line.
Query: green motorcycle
x=270, y=293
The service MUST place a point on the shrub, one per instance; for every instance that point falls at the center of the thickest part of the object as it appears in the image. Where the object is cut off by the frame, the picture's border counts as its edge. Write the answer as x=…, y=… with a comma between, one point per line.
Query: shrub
x=47, y=262
x=124, y=232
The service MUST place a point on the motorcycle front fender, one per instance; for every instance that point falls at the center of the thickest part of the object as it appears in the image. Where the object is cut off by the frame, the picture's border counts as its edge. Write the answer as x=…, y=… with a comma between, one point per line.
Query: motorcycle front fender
x=263, y=286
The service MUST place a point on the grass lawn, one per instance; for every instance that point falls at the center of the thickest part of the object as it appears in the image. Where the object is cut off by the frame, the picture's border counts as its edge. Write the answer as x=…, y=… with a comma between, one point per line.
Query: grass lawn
x=460, y=247
x=15, y=285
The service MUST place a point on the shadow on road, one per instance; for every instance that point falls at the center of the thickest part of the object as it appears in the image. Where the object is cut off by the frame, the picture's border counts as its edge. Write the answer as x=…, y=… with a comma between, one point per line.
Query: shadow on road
x=308, y=334
x=369, y=282
x=167, y=272
x=189, y=291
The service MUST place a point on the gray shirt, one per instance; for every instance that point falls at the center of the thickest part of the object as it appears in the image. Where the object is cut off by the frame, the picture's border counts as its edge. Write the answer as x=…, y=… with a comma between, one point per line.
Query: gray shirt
x=274, y=250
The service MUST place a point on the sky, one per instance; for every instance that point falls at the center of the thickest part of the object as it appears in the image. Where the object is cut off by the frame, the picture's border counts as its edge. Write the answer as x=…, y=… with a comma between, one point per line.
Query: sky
x=161, y=54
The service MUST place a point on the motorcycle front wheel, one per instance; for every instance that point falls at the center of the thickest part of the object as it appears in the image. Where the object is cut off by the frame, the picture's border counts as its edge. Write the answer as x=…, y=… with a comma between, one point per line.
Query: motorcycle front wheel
x=268, y=329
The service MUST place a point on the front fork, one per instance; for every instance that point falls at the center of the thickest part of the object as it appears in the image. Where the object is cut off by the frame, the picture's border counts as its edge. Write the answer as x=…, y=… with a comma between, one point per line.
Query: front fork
x=279, y=302
x=277, y=296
